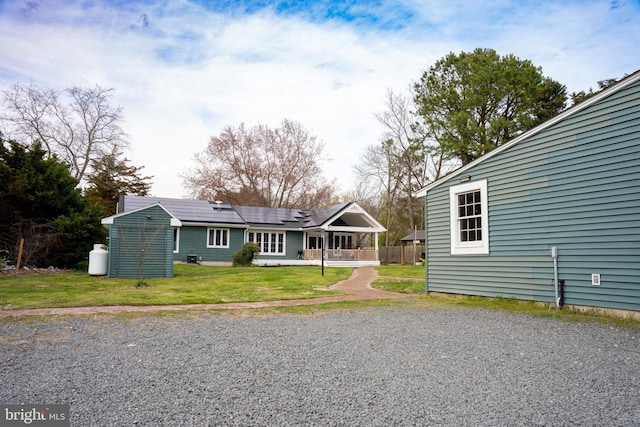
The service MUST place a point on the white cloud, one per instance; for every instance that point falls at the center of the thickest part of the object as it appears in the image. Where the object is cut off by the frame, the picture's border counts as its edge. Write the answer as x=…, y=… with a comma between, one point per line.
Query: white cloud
x=182, y=72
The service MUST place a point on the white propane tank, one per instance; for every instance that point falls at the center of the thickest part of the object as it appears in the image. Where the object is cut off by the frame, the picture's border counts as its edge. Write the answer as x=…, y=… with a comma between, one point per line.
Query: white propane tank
x=98, y=260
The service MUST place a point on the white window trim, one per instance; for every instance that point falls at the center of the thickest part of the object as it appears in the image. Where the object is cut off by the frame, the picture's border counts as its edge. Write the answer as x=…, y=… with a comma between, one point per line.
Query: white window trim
x=284, y=241
x=209, y=230
x=177, y=242
x=466, y=248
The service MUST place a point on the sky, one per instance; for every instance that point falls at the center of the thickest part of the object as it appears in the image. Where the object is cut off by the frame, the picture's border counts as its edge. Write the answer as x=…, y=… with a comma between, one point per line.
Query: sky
x=183, y=70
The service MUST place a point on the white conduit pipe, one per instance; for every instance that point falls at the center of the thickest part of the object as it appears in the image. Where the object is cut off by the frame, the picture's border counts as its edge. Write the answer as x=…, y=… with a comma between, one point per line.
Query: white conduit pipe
x=554, y=255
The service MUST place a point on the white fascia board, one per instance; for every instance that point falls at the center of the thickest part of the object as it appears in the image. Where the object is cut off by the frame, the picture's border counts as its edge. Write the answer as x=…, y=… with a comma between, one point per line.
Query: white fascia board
x=563, y=115
x=353, y=207
x=357, y=229
x=175, y=222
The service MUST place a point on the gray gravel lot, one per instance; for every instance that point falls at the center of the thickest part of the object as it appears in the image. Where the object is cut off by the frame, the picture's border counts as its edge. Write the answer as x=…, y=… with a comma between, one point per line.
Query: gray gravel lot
x=369, y=367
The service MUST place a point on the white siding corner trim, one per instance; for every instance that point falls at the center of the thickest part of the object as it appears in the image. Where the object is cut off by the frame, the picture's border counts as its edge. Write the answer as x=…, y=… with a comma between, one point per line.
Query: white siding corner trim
x=469, y=218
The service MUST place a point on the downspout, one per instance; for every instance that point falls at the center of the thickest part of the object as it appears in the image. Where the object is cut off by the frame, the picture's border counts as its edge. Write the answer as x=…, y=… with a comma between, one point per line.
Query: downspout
x=426, y=246
x=557, y=283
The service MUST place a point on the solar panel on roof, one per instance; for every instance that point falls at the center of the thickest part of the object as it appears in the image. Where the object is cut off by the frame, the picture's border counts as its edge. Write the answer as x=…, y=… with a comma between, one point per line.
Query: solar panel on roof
x=210, y=212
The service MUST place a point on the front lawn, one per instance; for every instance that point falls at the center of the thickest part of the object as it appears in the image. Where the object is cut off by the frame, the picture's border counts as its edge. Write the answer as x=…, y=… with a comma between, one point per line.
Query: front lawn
x=405, y=271
x=406, y=279
x=192, y=284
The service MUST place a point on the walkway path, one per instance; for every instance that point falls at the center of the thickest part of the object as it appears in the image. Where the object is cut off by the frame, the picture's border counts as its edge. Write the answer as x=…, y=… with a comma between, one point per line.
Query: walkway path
x=356, y=288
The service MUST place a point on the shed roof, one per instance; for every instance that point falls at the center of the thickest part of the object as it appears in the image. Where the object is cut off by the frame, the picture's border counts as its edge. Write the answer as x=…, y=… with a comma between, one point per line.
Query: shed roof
x=415, y=235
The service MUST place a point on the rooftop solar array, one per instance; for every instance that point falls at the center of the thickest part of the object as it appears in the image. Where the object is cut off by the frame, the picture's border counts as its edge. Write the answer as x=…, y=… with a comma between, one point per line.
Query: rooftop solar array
x=320, y=215
x=188, y=210
x=217, y=212
x=272, y=216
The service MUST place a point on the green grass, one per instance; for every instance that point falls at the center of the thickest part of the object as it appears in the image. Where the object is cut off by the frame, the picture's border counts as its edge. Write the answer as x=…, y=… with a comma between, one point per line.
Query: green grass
x=406, y=279
x=191, y=284
x=408, y=286
x=194, y=284
x=404, y=271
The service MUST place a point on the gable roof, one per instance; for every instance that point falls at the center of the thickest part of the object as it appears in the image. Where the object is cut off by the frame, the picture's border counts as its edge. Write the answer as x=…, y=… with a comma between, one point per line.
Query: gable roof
x=175, y=222
x=351, y=217
x=415, y=235
x=634, y=77
x=200, y=212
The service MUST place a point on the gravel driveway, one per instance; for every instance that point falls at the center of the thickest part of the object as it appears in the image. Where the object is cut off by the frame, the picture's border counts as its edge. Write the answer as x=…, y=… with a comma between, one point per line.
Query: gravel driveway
x=369, y=367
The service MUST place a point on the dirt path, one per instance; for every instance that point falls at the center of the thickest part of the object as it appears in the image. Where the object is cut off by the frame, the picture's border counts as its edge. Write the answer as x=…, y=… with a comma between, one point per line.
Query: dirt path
x=356, y=288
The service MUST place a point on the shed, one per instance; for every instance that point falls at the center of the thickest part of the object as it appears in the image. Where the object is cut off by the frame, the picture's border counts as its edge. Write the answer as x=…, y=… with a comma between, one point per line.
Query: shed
x=414, y=239
x=558, y=204
x=141, y=243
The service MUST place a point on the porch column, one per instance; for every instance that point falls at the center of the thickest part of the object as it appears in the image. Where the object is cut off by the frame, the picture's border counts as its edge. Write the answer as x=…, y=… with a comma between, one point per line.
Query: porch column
x=376, y=240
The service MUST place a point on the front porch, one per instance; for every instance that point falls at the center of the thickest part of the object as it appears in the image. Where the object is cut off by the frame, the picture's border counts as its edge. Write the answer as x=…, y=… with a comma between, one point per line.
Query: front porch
x=367, y=257
x=366, y=254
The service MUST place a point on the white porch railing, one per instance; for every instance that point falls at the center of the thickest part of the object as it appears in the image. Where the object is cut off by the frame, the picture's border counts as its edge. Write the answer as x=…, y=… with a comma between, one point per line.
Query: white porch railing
x=366, y=254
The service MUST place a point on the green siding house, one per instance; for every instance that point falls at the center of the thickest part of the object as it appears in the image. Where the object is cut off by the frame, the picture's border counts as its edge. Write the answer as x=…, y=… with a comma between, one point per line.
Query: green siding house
x=209, y=233
x=141, y=243
x=558, y=205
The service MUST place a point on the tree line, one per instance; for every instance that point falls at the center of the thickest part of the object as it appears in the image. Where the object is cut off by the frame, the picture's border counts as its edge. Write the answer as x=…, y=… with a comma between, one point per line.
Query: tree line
x=62, y=166
x=461, y=108
x=62, y=169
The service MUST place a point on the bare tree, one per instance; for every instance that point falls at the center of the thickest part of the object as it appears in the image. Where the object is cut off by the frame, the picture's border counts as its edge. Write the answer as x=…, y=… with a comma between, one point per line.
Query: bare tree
x=137, y=241
x=409, y=148
x=78, y=129
x=380, y=167
x=260, y=166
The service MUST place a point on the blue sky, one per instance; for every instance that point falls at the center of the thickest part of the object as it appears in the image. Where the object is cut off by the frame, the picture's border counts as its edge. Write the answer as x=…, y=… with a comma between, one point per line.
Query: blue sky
x=182, y=70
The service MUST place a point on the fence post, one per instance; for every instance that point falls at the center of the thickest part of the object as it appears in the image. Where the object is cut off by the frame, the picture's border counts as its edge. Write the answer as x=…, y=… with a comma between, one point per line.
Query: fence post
x=20, y=254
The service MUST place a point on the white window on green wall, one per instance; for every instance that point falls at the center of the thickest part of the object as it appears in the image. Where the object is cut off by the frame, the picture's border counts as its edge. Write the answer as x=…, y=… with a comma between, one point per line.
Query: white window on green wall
x=218, y=238
x=176, y=239
x=469, y=218
x=268, y=242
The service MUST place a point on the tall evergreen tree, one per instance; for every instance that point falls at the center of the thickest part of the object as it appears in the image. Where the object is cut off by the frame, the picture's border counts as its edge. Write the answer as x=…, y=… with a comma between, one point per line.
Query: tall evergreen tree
x=474, y=102
x=112, y=176
x=40, y=203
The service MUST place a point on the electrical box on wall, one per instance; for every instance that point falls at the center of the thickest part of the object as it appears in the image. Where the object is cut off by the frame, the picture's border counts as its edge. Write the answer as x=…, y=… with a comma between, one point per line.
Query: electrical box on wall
x=595, y=279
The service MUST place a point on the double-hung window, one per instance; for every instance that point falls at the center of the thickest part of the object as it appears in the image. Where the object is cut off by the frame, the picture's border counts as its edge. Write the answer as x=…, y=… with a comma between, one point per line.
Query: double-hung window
x=469, y=218
x=268, y=242
x=218, y=238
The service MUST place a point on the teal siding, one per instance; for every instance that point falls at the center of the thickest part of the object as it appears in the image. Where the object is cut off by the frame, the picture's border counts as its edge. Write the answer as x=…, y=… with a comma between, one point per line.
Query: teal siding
x=576, y=186
x=141, y=242
x=193, y=241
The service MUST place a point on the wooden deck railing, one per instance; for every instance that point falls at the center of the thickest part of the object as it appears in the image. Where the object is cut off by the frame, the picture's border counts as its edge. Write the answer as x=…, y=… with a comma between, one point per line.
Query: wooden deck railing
x=367, y=254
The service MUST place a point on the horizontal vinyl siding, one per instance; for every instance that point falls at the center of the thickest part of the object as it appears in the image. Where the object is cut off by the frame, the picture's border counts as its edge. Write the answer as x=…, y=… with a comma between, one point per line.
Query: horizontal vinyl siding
x=575, y=186
x=193, y=241
x=141, y=239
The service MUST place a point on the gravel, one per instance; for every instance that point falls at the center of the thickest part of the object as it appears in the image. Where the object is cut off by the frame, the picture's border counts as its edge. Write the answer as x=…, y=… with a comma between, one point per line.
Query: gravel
x=369, y=367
